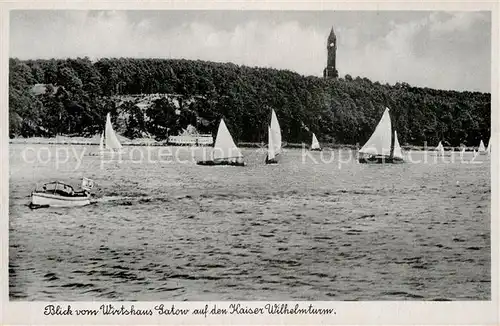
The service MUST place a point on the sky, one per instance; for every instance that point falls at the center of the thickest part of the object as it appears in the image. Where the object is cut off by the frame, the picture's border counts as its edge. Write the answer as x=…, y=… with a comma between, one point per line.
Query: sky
x=442, y=50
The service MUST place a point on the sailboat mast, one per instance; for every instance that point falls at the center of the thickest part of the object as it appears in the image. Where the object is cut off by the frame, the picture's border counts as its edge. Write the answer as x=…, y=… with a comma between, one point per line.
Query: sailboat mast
x=393, y=128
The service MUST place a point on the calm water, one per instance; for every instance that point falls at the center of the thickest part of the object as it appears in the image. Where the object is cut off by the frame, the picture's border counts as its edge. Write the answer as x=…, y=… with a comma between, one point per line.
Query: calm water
x=297, y=230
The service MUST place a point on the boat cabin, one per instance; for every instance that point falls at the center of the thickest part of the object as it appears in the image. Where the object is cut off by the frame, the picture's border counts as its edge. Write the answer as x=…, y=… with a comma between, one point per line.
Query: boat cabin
x=59, y=188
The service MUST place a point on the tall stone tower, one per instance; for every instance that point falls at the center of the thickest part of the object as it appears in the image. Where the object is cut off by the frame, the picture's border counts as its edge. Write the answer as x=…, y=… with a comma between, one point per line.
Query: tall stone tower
x=331, y=47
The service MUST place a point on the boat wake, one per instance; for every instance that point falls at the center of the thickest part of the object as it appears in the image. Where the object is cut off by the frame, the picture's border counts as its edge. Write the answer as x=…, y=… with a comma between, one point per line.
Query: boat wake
x=130, y=200
x=107, y=199
x=113, y=199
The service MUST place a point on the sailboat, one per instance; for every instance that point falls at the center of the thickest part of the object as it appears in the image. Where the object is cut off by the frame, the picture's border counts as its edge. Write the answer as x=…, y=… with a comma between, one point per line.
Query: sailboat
x=482, y=150
x=440, y=149
x=315, y=144
x=488, y=149
x=378, y=148
x=225, y=151
x=108, y=142
x=274, y=140
x=110, y=139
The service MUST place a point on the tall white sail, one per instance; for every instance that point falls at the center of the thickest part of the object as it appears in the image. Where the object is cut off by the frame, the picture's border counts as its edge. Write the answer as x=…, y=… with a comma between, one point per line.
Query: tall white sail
x=481, y=147
x=380, y=141
x=270, y=145
x=224, y=145
x=397, y=149
x=488, y=149
x=111, y=140
x=276, y=132
x=315, y=143
x=440, y=148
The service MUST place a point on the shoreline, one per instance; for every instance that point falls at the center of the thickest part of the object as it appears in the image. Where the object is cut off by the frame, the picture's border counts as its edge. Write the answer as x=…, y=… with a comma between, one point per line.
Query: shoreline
x=95, y=142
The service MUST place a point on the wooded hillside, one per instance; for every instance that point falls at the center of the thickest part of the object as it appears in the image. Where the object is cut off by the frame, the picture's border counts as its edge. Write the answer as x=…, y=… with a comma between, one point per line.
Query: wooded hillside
x=79, y=93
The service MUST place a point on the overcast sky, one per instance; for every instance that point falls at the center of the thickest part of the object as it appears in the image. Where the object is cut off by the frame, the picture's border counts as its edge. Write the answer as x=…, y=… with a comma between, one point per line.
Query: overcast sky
x=445, y=50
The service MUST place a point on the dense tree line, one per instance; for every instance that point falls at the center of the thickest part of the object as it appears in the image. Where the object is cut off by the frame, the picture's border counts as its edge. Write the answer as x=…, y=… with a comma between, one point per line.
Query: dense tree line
x=80, y=92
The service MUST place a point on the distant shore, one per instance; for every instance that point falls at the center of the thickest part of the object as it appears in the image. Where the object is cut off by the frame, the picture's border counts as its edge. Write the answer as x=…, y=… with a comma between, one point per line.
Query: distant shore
x=66, y=140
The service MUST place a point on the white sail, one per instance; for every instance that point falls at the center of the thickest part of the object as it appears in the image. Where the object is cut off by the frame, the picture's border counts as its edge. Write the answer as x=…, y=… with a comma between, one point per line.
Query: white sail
x=397, y=149
x=462, y=152
x=224, y=145
x=488, y=149
x=270, y=145
x=111, y=140
x=481, y=147
x=315, y=143
x=276, y=132
x=380, y=141
x=440, y=147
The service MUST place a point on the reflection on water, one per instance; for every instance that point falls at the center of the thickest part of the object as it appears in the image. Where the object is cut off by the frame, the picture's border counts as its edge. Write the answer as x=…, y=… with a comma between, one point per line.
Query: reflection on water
x=297, y=230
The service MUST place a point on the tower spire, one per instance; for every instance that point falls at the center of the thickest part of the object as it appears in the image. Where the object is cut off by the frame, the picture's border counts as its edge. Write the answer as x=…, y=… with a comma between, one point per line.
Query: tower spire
x=331, y=47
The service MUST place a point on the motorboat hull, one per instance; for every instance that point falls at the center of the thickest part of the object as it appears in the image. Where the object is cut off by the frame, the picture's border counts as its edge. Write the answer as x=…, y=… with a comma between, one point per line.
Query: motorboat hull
x=41, y=199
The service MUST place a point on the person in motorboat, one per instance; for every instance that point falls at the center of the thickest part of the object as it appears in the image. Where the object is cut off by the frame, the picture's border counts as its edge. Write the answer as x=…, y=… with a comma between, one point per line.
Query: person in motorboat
x=63, y=189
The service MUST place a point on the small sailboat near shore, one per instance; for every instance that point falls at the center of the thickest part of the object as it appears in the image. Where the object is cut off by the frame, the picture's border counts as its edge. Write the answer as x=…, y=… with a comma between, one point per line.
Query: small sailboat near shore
x=378, y=148
x=440, y=149
x=482, y=150
x=440, y=152
x=225, y=151
x=109, y=140
x=274, y=140
x=315, y=144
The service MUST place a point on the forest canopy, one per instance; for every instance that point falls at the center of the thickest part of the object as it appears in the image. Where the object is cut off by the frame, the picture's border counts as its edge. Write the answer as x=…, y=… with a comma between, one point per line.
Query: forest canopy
x=72, y=97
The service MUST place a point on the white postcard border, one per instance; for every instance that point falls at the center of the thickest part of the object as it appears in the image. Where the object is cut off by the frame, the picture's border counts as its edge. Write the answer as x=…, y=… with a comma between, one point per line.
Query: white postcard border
x=366, y=312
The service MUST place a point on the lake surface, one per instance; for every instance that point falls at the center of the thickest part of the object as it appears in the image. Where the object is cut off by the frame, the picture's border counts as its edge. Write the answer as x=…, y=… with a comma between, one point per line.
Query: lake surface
x=299, y=230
